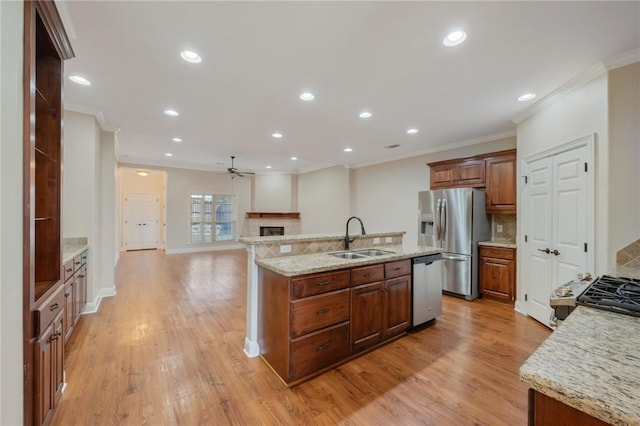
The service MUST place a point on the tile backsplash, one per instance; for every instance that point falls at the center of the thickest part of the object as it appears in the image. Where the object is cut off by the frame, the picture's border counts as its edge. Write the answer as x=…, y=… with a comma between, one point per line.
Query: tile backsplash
x=629, y=255
x=508, y=223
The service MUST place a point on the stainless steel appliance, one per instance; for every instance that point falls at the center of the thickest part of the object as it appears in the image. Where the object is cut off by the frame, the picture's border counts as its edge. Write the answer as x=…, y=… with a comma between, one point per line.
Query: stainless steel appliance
x=455, y=220
x=427, y=288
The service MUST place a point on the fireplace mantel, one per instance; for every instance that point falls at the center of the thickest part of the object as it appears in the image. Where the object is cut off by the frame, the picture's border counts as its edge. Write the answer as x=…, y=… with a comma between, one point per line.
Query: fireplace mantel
x=272, y=215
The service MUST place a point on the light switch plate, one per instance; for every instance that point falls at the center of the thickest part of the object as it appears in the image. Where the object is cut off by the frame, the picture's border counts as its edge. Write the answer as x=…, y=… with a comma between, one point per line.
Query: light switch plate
x=285, y=249
x=499, y=228
x=388, y=239
x=376, y=240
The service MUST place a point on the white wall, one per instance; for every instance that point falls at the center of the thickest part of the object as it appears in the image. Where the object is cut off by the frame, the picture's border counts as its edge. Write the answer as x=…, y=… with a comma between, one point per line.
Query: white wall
x=273, y=193
x=181, y=183
x=108, y=241
x=11, y=360
x=386, y=195
x=323, y=200
x=579, y=113
x=624, y=157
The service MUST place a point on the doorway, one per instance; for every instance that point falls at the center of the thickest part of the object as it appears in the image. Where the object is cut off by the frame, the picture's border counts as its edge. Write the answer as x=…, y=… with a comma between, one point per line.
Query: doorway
x=141, y=221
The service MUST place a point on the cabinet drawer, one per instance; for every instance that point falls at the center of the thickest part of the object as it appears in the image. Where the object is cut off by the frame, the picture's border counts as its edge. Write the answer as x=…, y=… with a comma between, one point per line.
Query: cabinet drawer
x=319, y=283
x=84, y=257
x=316, y=312
x=497, y=252
x=318, y=350
x=397, y=269
x=367, y=274
x=46, y=312
x=68, y=270
x=77, y=263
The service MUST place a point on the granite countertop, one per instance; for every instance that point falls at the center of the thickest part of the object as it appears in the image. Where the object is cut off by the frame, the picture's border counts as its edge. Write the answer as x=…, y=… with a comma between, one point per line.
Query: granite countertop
x=309, y=263
x=71, y=247
x=308, y=237
x=498, y=243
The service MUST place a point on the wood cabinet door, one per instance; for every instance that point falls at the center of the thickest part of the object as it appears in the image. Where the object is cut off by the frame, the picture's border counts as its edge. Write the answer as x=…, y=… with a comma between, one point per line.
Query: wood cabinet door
x=471, y=173
x=69, y=300
x=501, y=184
x=44, y=398
x=497, y=278
x=366, y=315
x=442, y=176
x=396, y=306
x=58, y=358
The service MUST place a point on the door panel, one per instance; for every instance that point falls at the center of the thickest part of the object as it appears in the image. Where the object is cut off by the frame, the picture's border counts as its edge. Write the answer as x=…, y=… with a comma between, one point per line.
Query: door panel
x=456, y=220
x=141, y=221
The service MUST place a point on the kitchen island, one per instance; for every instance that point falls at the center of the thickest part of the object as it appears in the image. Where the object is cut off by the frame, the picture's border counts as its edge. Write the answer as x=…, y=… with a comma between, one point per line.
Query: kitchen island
x=590, y=364
x=318, y=310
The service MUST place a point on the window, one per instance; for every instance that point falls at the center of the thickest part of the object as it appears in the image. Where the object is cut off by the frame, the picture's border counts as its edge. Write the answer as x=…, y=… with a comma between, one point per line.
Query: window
x=212, y=218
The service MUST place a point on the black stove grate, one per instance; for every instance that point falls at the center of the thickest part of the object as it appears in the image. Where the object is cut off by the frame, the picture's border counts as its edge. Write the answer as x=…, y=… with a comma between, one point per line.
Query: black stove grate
x=616, y=294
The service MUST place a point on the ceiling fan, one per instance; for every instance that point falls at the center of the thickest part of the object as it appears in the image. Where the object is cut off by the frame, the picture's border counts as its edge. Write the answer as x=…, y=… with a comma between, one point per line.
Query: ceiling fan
x=233, y=172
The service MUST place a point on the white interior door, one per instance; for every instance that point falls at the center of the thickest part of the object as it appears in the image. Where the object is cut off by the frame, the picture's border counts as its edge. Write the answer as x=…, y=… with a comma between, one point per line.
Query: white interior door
x=557, y=208
x=141, y=221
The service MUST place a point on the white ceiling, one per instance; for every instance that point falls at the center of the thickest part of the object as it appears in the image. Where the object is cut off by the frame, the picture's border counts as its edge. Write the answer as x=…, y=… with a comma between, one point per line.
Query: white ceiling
x=386, y=57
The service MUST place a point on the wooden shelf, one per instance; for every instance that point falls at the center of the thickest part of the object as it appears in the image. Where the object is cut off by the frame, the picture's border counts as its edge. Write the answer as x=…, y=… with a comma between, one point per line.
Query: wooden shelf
x=272, y=215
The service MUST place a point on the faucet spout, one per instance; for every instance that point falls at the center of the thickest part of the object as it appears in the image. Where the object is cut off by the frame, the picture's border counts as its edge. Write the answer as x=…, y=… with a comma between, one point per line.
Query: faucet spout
x=348, y=240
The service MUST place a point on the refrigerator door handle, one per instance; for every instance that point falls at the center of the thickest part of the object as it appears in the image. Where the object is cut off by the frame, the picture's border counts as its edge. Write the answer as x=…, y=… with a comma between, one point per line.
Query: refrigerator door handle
x=454, y=258
x=439, y=208
x=444, y=213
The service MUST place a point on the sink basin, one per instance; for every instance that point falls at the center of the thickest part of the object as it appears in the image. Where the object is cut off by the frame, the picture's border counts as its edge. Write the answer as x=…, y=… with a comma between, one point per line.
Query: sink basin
x=348, y=255
x=359, y=254
x=372, y=252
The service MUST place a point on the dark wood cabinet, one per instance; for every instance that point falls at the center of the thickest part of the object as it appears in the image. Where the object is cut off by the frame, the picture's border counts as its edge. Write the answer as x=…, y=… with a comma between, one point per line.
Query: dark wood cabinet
x=313, y=322
x=547, y=411
x=457, y=173
x=46, y=46
x=498, y=273
x=501, y=183
x=75, y=290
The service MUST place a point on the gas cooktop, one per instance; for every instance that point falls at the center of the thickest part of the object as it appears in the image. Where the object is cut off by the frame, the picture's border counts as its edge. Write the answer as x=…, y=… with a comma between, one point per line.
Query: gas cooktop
x=614, y=294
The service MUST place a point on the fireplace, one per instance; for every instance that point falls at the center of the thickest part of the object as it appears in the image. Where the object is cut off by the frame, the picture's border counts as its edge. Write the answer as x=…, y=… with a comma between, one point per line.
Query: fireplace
x=269, y=231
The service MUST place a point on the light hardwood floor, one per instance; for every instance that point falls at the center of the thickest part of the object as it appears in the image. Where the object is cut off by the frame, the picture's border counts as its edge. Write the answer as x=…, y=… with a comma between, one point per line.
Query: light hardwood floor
x=167, y=350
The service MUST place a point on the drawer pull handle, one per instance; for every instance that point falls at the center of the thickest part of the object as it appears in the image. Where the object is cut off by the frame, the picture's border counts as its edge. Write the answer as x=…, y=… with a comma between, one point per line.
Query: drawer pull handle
x=322, y=311
x=80, y=276
x=70, y=270
x=367, y=275
x=78, y=262
x=397, y=269
x=67, y=294
x=55, y=336
x=324, y=282
x=322, y=347
x=54, y=306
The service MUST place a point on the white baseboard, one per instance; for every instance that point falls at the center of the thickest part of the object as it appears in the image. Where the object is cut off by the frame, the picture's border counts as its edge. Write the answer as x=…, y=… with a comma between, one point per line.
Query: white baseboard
x=251, y=349
x=185, y=250
x=92, y=307
x=521, y=308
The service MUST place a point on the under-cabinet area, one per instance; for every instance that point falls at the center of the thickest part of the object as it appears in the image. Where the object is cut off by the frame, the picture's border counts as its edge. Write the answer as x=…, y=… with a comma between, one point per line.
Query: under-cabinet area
x=311, y=322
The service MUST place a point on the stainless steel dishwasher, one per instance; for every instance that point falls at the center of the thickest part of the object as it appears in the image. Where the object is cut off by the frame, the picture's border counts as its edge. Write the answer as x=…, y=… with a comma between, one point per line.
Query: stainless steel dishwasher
x=427, y=288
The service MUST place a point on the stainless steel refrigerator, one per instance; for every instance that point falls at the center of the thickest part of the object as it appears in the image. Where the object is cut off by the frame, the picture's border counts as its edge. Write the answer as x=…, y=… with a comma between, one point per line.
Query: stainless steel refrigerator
x=455, y=220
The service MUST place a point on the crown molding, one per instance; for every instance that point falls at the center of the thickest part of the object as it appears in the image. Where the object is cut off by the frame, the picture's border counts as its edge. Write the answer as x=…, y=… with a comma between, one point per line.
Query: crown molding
x=94, y=112
x=580, y=80
x=65, y=17
x=623, y=59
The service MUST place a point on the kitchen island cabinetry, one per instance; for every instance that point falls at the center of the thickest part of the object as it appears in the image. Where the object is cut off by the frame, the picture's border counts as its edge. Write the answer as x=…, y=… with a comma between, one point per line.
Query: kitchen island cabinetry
x=312, y=322
x=546, y=411
x=497, y=273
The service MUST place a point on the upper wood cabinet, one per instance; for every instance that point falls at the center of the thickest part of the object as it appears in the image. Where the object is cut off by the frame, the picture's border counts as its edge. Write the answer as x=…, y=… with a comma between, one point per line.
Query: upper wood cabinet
x=495, y=171
x=501, y=183
x=457, y=173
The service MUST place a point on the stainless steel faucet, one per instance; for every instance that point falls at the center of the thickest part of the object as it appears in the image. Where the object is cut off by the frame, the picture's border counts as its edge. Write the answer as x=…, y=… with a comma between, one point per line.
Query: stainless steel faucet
x=347, y=239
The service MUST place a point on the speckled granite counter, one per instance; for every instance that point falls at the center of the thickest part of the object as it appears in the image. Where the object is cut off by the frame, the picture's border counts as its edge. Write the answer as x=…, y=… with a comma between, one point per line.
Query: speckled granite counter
x=71, y=247
x=310, y=237
x=498, y=243
x=310, y=263
x=591, y=363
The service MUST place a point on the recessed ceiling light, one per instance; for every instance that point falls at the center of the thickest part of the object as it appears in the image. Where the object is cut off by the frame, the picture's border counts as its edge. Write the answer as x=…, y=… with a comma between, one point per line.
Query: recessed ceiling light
x=80, y=80
x=306, y=96
x=454, y=38
x=365, y=114
x=348, y=149
x=171, y=112
x=168, y=154
x=142, y=173
x=191, y=56
x=177, y=140
x=268, y=167
x=277, y=135
x=294, y=158
x=526, y=97
x=412, y=131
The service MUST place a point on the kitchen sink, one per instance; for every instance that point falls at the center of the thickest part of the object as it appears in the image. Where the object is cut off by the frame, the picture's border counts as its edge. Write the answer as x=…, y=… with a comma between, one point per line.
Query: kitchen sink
x=359, y=254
